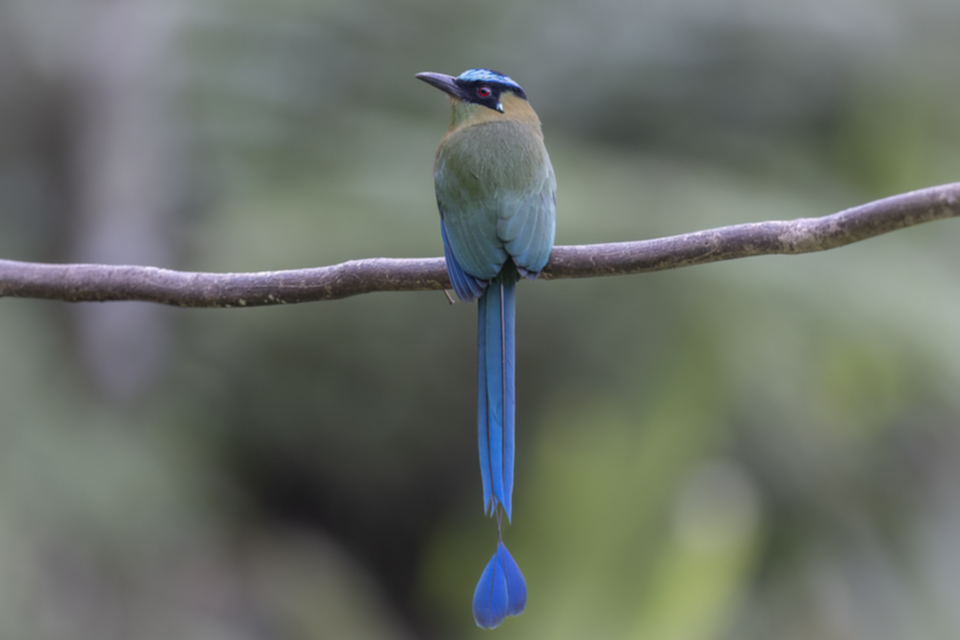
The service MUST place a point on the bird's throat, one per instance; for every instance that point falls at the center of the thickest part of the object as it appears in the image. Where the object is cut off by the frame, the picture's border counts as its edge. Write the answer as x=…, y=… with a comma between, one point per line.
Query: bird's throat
x=468, y=114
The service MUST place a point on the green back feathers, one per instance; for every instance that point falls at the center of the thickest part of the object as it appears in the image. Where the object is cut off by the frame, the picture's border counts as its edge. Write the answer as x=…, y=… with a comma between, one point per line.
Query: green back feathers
x=496, y=191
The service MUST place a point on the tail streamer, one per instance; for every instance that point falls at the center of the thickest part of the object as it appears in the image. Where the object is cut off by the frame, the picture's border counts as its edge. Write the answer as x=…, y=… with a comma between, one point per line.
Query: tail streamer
x=496, y=403
x=501, y=591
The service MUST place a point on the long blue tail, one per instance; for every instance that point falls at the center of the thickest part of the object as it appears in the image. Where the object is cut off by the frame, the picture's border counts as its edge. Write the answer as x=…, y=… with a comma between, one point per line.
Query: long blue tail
x=495, y=389
x=502, y=590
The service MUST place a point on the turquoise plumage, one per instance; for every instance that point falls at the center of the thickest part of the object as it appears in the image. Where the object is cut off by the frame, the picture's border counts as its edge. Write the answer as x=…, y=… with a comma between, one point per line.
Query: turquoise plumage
x=496, y=192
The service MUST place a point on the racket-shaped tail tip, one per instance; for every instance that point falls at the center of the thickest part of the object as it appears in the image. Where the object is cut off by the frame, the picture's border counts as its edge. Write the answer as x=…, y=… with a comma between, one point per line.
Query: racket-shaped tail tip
x=501, y=592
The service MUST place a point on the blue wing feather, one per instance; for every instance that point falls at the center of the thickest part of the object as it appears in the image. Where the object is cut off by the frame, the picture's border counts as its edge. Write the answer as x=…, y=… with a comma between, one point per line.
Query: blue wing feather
x=466, y=286
x=471, y=229
x=528, y=234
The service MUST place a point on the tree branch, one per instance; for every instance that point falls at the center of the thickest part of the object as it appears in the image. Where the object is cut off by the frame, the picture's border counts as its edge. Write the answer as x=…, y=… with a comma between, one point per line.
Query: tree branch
x=94, y=282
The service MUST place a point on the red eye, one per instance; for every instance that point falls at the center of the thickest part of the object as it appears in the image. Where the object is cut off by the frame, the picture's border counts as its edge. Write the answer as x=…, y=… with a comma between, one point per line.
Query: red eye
x=484, y=92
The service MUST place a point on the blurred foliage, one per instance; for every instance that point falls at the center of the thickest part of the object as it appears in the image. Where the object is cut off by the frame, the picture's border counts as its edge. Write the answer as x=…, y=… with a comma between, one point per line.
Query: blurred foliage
x=759, y=449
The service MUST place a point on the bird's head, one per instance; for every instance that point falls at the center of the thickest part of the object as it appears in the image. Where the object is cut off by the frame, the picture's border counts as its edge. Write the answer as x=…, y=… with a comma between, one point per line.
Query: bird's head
x=476, y=90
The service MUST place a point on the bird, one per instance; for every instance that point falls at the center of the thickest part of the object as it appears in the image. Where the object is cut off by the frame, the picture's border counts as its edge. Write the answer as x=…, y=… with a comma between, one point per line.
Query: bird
x=496, y=192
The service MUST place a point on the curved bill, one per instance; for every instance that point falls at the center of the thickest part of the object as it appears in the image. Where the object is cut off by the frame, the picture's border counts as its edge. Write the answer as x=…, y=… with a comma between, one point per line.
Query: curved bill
x=447, y=84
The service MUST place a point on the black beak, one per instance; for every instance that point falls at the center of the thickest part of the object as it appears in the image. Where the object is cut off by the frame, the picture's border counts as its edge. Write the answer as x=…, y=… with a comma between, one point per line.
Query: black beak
x=447, y=84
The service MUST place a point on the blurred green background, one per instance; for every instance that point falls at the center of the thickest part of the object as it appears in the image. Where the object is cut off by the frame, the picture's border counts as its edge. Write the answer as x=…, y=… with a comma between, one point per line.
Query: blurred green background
x=764, y=449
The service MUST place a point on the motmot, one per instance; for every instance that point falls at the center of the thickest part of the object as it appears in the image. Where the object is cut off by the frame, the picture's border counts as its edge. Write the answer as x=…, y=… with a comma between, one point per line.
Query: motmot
x=496, y=192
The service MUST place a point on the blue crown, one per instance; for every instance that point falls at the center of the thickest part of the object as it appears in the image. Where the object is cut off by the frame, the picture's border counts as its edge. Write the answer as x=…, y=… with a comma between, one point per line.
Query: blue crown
x=487, y=75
